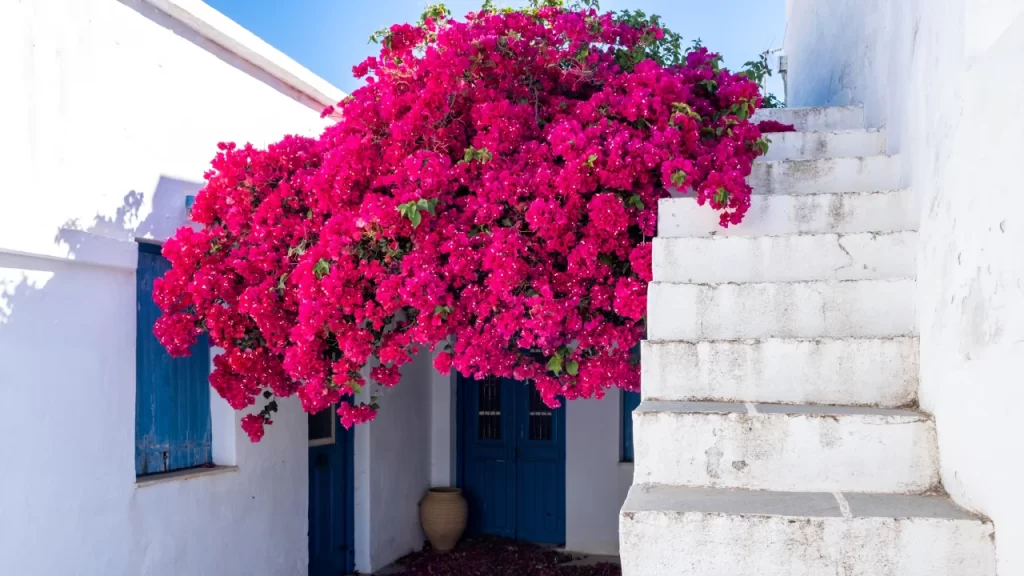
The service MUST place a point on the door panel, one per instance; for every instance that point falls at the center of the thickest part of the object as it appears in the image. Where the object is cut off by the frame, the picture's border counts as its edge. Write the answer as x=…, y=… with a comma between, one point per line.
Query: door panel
x=330, y=496
x=540, y=469
x=489, y=444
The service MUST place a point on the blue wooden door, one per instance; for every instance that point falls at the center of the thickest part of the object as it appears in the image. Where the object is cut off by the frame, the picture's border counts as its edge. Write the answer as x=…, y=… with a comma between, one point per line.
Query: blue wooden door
x=331, y=550
x=540, y=468
x=512, y=461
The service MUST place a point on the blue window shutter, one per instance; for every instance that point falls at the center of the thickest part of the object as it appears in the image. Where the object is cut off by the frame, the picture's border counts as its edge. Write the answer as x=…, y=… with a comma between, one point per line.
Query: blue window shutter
x=630, y=400
x=172, y=396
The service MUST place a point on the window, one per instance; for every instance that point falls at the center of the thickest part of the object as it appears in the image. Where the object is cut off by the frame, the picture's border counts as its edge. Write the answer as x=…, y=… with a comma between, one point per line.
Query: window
x=489, y=414
x=321, y=426
x=630, y=400
x=172, y=395
x=540, y=417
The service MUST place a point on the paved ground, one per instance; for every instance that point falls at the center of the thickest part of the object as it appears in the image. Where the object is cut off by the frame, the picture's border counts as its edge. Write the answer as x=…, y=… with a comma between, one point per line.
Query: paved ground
x=489, y=556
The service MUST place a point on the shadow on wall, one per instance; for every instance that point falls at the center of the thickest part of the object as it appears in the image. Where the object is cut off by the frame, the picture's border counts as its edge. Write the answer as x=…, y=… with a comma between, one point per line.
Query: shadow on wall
x=43, y=301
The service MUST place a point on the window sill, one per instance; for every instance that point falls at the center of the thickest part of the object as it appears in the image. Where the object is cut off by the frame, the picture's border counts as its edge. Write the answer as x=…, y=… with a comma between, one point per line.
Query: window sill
x=624, y=463
x=181, y=475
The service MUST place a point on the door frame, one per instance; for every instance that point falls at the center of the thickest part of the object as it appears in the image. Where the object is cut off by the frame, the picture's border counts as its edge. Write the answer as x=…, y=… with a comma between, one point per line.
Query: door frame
x=460, y=446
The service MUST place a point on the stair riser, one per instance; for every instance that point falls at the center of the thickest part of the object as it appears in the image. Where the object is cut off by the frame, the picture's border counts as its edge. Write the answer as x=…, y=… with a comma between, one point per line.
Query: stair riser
x=809, y=145
x=781, y=214
x=857, y=372
x=862, y=174
x=780, y=310
x=786, y=258
x=818, y=119
x=785, y=452
x=700, y=544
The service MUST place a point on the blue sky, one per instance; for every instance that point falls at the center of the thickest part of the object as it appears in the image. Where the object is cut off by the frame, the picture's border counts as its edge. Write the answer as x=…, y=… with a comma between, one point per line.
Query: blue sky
x=330, y=36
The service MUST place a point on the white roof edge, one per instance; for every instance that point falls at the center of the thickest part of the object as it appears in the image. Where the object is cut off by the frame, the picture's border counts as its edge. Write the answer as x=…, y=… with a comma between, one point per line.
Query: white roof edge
x=230, y=35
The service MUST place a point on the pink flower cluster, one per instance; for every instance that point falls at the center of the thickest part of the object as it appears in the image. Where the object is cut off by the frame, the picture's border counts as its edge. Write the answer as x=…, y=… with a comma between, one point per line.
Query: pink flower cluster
x=491, y=191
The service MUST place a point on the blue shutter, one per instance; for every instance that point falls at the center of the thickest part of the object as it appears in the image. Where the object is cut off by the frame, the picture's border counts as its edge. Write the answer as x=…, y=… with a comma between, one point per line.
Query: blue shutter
x=172, y=395
x=630, y=400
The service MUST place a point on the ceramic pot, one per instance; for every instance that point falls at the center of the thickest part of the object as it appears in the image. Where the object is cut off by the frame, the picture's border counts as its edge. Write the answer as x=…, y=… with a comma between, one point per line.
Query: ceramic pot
x=443, y=513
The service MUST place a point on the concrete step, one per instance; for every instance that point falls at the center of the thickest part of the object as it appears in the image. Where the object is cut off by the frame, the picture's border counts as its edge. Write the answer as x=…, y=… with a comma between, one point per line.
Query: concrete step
x=849, y=371
x=817, y=118
x=784, y=447
x=826, y=176
x=856, y=308
x=842, y=144
x=791, y=258
x=779, y=214
x=674, y=531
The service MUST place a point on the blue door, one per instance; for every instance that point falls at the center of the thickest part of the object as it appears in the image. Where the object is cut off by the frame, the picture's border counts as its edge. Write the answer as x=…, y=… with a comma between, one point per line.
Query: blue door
x=331, y=551
x=512, y=461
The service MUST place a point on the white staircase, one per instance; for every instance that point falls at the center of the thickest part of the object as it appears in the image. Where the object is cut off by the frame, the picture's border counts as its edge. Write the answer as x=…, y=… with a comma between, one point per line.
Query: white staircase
x=778, y=433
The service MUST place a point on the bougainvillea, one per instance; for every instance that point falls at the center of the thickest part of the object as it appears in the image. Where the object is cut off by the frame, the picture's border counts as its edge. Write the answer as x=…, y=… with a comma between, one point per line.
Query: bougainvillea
x=489, y=194
x=772, y=126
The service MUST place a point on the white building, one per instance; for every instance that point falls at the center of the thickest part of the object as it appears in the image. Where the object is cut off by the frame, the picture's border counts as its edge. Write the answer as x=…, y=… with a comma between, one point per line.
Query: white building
x=111, y=111
x=861, y=334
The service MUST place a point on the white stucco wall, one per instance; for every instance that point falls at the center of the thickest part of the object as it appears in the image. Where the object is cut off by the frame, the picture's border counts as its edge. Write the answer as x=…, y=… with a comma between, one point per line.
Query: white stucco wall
x=392, y=471
x=111, y=112
x=954, y=98
x=443, y=440
x=596, y=482
x=836, y=51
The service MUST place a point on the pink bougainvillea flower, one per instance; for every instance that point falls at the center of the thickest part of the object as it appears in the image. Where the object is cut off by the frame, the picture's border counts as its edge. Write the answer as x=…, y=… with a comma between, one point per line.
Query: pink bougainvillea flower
x=490, y=193
x=252, y=424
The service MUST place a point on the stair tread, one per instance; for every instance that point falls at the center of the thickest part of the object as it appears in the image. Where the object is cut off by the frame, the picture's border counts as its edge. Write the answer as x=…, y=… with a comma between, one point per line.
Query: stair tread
x=822, y=175
x=783, y=339
x=741, y=238
x=824, y=410
x=779, y=214
x=815, y=117
x=730, y=501
x=844, y=281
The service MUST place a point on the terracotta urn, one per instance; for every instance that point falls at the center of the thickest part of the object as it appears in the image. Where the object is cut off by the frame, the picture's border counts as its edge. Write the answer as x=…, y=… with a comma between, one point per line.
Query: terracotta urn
x=443, y=513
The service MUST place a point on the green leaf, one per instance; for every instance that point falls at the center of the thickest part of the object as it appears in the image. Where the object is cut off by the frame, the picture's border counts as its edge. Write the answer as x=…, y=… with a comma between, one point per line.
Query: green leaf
x=572, y=367
x=635, y=201
x=321, y=268
x=684, y=108
x=555, y=364
x=482, y=155
x=721, y=196
x=591, y=159
x=442, y=311
x=761, y=145
x=678, y=178
x=416, y=218
x=355, y=386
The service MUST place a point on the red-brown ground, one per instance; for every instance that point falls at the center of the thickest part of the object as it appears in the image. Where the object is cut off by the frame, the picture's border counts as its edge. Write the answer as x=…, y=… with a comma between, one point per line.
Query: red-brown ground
x=489, y=556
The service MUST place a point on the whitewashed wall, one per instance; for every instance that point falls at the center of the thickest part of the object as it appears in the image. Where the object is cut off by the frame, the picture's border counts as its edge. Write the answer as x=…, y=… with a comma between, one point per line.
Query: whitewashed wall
x=110, y=113
x=596, y=482
x=955, y=100
x=392, y=471
x=837, y=51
